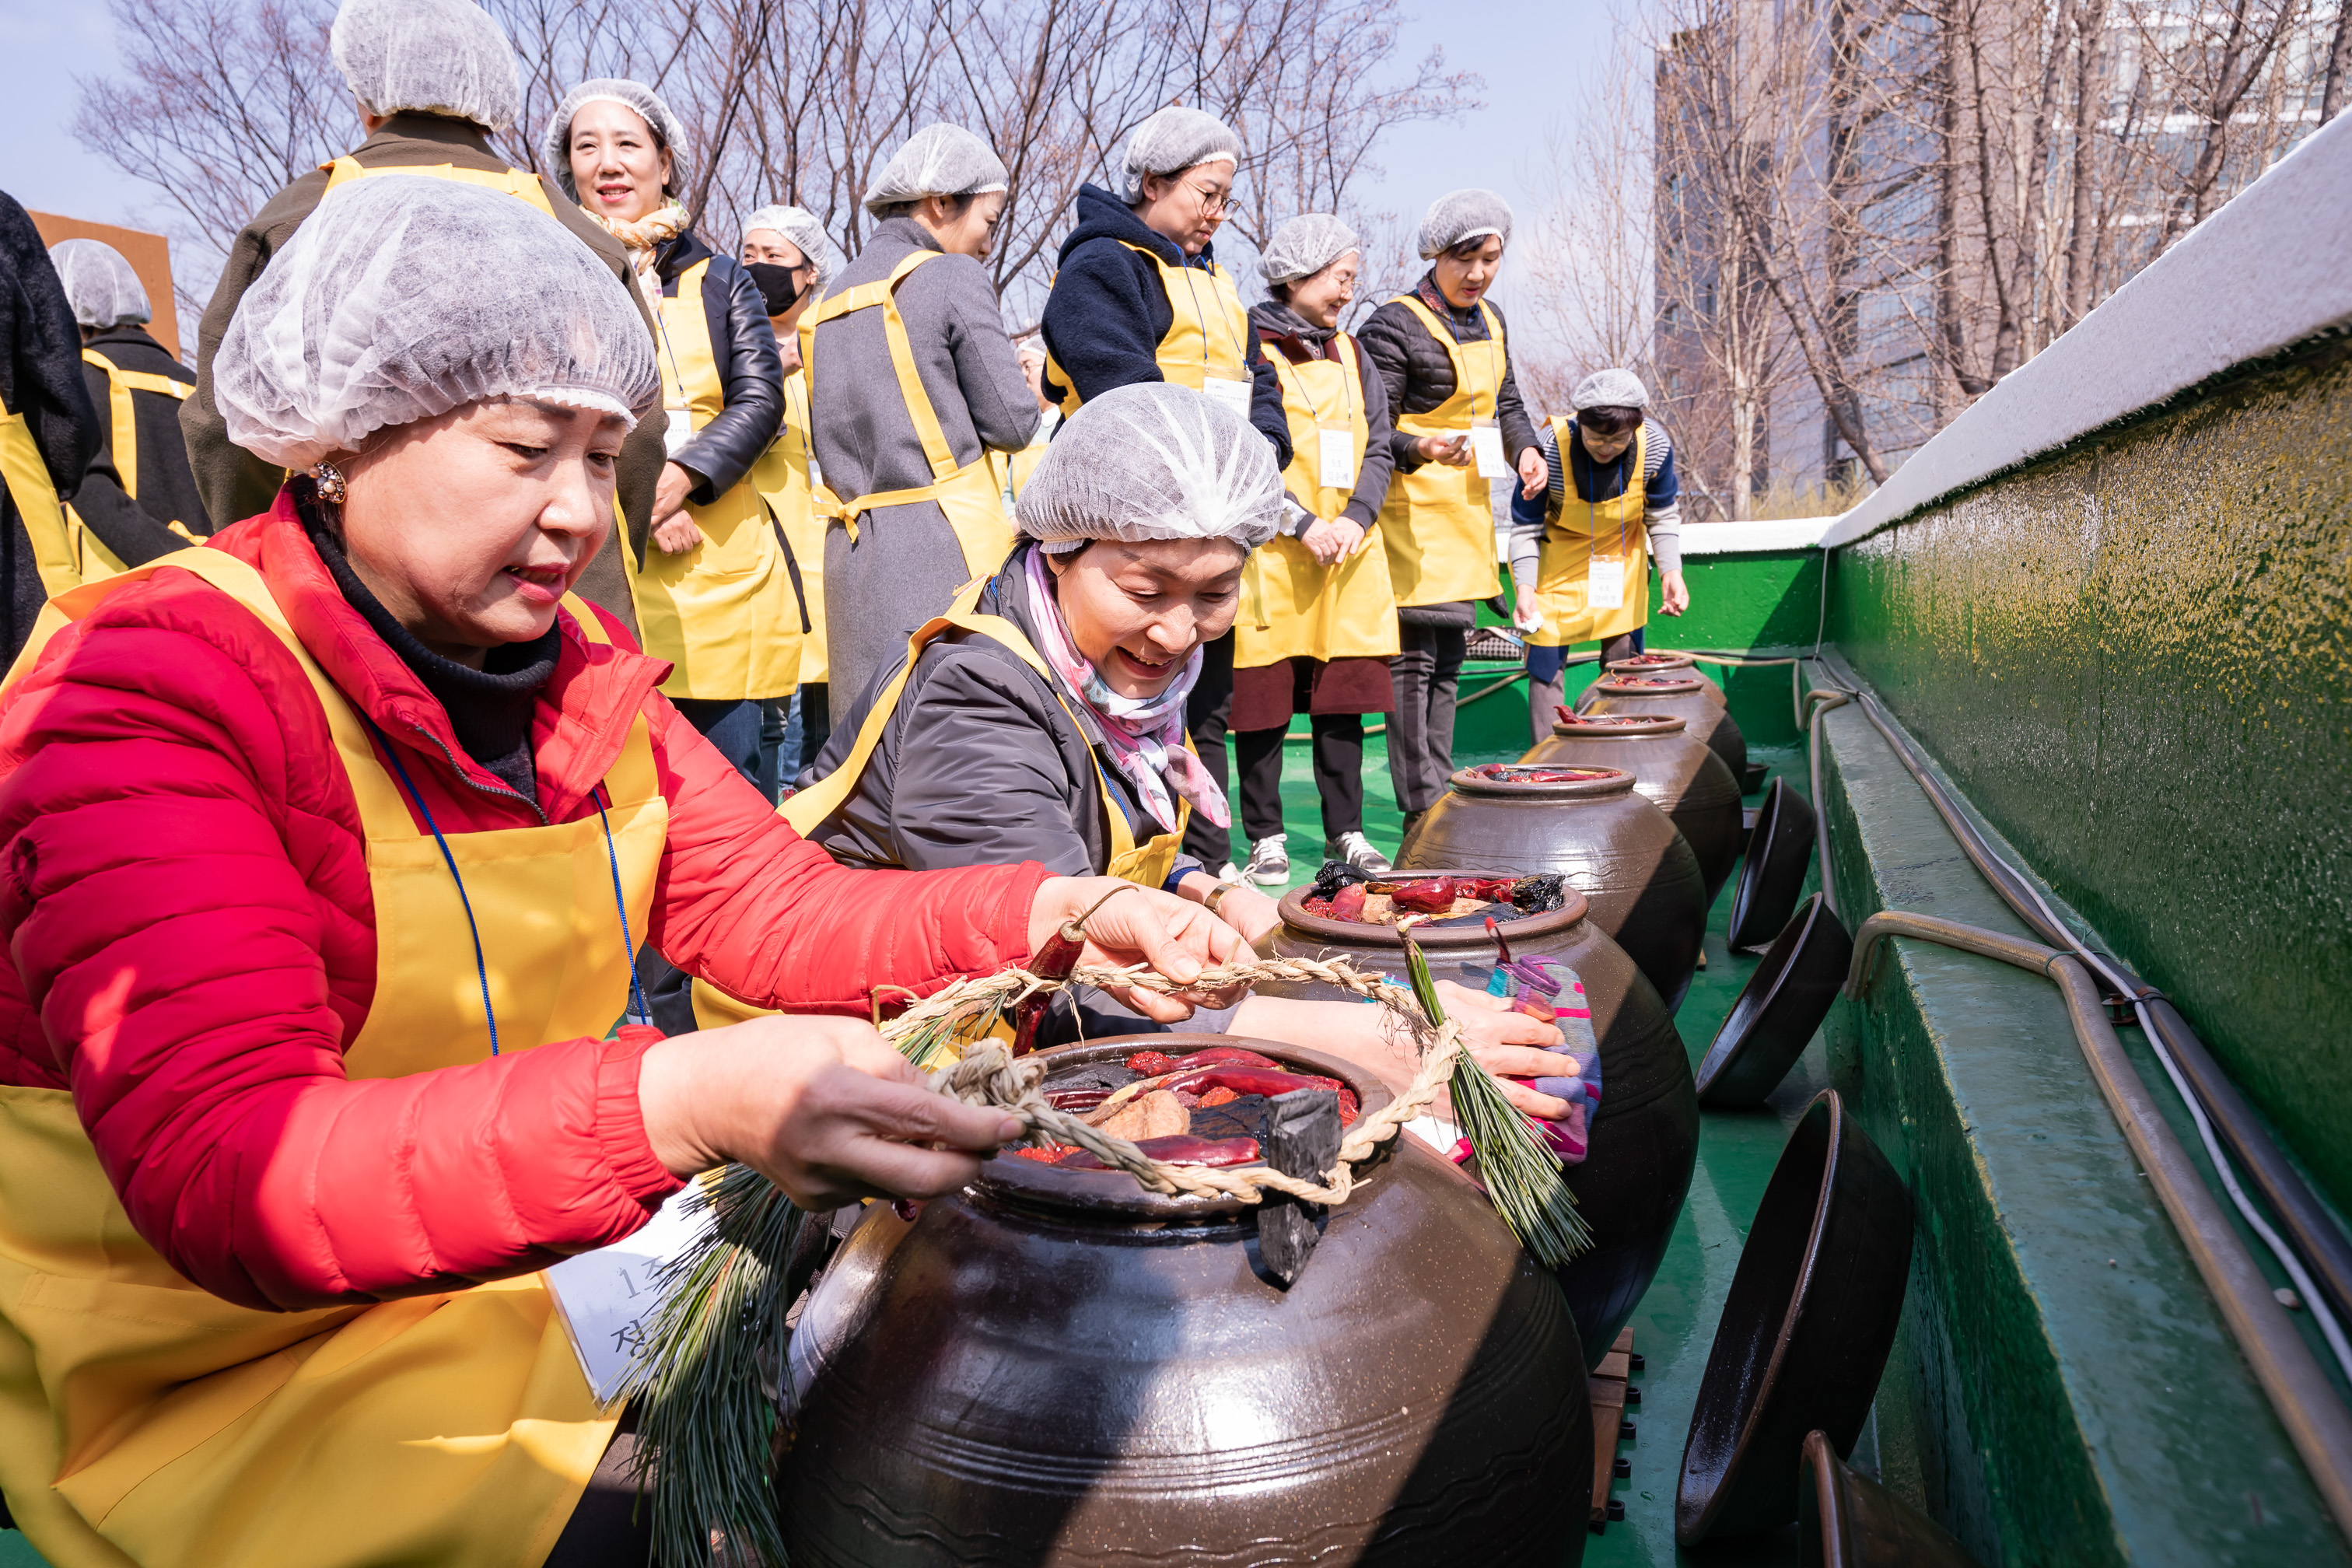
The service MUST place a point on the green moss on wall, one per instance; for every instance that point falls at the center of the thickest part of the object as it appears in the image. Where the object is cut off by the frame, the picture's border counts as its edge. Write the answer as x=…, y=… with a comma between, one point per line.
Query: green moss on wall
x=2135, y=656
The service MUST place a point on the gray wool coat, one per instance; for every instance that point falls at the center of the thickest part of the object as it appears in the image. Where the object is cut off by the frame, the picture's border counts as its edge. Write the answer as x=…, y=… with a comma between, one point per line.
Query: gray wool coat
x=904, y=563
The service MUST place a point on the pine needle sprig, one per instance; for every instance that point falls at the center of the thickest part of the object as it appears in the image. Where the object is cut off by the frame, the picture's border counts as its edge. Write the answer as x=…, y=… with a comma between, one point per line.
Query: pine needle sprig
x=1521, y=1173
x=708, y=1374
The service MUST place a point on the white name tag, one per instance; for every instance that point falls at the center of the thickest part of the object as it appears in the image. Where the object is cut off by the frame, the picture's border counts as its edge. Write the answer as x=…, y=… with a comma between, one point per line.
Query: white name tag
x=1604, y=585
x=1337, y=459
x=605, y=1296
x=678, y=431
x=1486, y=446
x=1234, y=394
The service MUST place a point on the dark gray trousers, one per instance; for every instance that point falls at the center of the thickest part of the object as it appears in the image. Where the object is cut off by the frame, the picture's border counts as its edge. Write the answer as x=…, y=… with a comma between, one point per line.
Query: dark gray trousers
x=1427, y=672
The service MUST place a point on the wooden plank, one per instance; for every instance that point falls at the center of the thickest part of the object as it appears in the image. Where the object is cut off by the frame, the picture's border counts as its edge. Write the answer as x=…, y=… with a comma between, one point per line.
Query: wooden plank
x=1608, y=1390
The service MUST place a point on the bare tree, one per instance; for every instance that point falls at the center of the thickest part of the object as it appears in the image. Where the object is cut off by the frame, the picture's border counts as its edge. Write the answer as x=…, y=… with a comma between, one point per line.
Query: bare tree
x=219, y=105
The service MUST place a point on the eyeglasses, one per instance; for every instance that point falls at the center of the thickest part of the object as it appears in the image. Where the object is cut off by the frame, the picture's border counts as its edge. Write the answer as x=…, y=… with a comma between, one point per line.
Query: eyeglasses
x=1214, y=202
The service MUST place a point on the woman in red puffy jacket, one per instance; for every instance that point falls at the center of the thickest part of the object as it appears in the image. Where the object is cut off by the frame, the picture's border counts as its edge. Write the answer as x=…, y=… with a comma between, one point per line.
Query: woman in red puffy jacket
x=328, y=849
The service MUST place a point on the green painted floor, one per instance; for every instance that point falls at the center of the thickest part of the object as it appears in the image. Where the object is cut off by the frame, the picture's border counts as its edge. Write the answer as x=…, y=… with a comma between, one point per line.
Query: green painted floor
x=1676, y=1323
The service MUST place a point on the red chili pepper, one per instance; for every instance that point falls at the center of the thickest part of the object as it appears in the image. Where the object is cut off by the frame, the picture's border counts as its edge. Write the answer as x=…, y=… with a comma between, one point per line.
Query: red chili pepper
x=1152, y=1064
x=1431, y=896
x=1347, y=903
x=1230, y=1054
x=1045, y=1156
x=1078, y=1101
x=1218, y=1097
x=1183, y=1148
x=1243, y=1081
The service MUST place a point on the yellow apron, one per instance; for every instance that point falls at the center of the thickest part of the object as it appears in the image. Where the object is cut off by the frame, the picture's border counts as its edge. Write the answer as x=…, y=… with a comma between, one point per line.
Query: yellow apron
x=784, y=476
x=1147, y=863
x=723, y=613
x=1293, y=606
x=1584, y=532
x=56, y=542
x=514, y=182
x=970, y=495
x=1207, y=335
x=144, y=1420
x=1439, y=521
x=91, y=559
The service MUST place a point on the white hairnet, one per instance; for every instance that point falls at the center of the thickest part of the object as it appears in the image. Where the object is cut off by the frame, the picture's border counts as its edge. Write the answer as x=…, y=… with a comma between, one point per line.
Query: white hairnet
x=404, y=296
x=100, y=284
x=431, y=57
x=555, y=147
x=940, y=160
x=806, y=232
x=1306, y=246
x=1464, y=214
x=1152, y=460
x=1175, y=138
x=1610, y=389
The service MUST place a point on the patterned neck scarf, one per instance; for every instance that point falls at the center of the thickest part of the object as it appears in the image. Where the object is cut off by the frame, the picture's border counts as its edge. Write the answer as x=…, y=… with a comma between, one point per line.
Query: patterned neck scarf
x=1145, y=736
x=641, y=237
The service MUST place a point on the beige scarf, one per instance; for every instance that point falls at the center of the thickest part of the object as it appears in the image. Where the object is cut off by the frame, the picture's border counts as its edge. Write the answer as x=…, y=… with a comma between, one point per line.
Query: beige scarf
x=642, y=237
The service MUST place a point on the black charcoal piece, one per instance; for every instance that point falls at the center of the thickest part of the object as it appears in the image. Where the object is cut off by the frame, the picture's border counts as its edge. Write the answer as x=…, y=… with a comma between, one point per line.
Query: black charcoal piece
x=1302, y=1139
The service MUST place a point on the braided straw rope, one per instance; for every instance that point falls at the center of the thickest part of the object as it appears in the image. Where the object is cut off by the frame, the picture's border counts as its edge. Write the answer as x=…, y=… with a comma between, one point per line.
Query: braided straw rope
x=989, y=1075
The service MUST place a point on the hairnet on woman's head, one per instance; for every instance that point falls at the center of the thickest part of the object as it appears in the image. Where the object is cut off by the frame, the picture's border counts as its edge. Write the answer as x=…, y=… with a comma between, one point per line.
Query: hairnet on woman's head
x=1152, y=460
x=1464, y=214
x=1617, y=388
x=806, y=232
x=940, y=160
x=1175, y=138
x=1306, y=246
x=100, y=284
x=428, y=56
x=555, y=147
x=404, y=296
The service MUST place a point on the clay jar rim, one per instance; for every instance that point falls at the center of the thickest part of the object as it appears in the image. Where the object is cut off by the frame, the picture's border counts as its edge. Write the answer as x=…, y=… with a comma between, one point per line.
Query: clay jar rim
x=1531, y=928
x=1649, y=686
x=1644, y=662
x=1618, y=726
x=1607, y=782
x=1117, y=1196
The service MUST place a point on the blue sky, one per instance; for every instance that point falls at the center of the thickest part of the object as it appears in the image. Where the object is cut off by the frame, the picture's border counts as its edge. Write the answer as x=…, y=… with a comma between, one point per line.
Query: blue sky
x=1525, y=52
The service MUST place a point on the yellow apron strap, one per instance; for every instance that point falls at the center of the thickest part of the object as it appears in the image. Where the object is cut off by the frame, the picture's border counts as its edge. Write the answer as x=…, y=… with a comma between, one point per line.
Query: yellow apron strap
x=518, y=183
x=35, y=495
x=883, y=292
x=119, y=384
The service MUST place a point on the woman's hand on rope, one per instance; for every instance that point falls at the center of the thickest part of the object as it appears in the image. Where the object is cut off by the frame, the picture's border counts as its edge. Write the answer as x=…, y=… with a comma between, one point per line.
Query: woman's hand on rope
x=1510, y=1045
x=1250, y=912
x=1141, y=925
x=823, y=1107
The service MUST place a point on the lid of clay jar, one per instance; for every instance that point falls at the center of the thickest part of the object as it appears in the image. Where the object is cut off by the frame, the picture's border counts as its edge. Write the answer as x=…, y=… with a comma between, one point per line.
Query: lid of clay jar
x=1649, y=685
x=1115, y=1196
x=1652, y=663
x=1618, y=726
x=1524, y=928
x=1540, y=781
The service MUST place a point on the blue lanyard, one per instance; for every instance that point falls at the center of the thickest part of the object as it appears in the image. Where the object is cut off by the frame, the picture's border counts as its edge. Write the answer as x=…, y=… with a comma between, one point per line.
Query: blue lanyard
x=640, y=1012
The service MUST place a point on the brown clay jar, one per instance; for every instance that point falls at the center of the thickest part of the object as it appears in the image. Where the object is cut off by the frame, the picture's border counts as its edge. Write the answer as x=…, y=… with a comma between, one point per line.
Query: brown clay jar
x=1645, y=1135
x=1612, y=844
x=1675, y=770
x=1059, y=1367
x=1689, y=697
x=1659, y=663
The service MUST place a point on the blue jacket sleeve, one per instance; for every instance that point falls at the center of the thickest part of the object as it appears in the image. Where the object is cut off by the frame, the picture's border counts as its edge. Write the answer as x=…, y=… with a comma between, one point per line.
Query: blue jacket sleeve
x=1099, y=324
x=1265, y=400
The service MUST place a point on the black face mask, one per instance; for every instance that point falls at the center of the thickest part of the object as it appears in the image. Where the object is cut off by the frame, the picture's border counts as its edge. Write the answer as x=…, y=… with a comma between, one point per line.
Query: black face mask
x=776, y=285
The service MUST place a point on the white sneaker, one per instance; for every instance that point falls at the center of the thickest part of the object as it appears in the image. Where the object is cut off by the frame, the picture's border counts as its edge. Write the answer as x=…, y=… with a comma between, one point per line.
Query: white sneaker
x=1231, y=875
x=1356, y=851
x=1269, y=861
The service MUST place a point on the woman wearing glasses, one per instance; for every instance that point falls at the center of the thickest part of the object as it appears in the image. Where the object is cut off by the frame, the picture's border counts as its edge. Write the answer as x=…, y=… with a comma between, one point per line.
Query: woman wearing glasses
x=1459, y=423
x=714, y=593
x=1139, y=297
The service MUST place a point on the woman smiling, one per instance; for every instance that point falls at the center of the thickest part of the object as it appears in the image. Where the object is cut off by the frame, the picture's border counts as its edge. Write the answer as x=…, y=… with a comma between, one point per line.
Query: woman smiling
x=713, y=585
x=1042, y=718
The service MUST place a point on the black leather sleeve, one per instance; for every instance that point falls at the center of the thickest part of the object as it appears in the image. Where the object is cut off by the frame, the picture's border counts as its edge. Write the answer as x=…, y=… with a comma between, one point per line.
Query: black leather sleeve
x=750, y=372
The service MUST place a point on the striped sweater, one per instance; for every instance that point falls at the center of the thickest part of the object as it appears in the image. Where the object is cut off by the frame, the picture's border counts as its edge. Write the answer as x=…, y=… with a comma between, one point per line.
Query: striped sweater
x=1662, y=516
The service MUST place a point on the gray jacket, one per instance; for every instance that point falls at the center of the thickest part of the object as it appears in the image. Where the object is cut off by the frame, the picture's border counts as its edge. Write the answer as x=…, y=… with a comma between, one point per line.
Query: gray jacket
x=980, y=764
x=863, y=438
